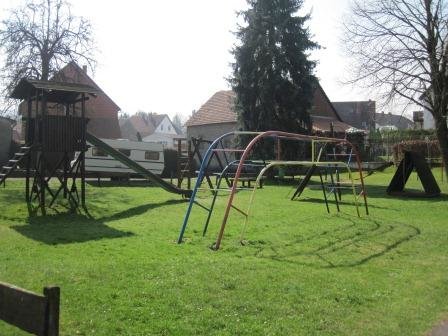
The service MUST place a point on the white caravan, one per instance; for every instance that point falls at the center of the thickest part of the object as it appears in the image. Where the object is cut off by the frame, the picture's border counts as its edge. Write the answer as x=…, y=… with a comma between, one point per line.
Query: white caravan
x=146, y=154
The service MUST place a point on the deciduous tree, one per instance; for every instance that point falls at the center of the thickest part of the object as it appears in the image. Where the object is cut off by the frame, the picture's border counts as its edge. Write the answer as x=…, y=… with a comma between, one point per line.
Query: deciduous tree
x=41, y=37
x=401, y=48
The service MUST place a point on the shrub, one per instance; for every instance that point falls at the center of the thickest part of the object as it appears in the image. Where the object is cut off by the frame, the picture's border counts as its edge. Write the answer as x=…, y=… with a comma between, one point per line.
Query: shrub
x=429, y=148
x=357, y=139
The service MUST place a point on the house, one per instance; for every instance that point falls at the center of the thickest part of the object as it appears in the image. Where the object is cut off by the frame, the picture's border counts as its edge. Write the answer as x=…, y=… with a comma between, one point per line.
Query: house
x=392, y=122
x=151, y=127
x=101, y=110
x=217, y=116
x=359, y=114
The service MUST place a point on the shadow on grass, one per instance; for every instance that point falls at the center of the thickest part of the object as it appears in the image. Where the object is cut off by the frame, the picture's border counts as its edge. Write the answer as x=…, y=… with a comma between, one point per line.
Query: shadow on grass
x=12, y=195
x=138, y=210
x=347, y=202
x=128, y=184
x=376, y=191
x=349, y=245
x=66, y=228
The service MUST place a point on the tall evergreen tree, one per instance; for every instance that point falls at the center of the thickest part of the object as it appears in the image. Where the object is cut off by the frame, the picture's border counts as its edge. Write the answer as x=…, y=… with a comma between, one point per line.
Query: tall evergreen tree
x=272, y=75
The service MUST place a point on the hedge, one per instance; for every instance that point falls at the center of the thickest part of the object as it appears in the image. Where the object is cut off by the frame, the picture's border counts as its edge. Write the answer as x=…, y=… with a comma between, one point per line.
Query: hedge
x=429, y=149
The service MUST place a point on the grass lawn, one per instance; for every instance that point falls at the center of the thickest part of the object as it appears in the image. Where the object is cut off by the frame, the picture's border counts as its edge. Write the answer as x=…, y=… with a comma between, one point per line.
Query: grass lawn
x=302, y=271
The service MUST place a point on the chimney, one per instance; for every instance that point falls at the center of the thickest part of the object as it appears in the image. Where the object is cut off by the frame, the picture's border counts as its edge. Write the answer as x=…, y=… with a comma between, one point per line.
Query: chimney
x=84, y=68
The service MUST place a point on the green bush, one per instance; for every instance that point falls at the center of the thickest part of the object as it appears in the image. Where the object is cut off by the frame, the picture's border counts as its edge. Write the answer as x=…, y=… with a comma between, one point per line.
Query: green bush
x=429, y=149
x=357, y=139
x=395, y=136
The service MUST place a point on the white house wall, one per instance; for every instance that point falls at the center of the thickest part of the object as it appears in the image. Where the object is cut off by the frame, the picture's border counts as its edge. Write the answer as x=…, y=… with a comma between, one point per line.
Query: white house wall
x=166, y=127
x=428, y=120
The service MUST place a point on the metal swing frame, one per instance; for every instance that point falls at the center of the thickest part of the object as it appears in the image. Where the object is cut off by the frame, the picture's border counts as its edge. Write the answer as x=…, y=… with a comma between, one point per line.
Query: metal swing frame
x=243, y=161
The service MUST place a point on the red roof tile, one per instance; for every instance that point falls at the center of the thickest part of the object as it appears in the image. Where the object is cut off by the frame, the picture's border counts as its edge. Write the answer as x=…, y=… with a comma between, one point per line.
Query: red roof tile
x=142, y=125
x=219, y=109
x=102, y=107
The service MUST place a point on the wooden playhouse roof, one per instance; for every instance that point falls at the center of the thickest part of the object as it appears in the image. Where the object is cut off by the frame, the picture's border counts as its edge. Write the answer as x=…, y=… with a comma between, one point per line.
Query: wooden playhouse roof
x=56, y=92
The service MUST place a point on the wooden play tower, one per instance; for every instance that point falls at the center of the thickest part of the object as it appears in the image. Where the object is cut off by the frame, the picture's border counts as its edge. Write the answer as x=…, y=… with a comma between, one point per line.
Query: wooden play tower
x=55, y=129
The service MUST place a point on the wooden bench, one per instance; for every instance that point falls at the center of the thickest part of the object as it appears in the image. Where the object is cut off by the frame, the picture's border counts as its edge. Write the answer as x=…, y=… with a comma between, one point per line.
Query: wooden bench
x=36, y=314
x=247, y=180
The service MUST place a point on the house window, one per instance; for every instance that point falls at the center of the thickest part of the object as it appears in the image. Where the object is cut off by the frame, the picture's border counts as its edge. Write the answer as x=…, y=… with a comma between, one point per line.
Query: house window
x=169, y=128
x=126, y=152
x=161, y=127
x=151, y=155
x=98, y=152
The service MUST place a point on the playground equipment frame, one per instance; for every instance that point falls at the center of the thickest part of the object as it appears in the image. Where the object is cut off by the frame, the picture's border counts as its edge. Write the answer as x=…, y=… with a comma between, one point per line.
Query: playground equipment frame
x=298, y=163
x=241, y=163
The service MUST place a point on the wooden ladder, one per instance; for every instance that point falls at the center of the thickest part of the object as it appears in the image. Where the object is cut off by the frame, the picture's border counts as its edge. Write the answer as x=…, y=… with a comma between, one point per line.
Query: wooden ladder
x=184, y=164
x=13, y=163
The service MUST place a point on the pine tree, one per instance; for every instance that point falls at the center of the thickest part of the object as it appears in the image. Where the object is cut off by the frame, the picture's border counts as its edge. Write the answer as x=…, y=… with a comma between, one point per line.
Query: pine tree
x=272, y=75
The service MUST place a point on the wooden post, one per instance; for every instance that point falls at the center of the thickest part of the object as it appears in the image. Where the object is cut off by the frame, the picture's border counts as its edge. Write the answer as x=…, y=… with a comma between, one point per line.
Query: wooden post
x=43, y=152
x=52, y=311
x=190, y=164
x=279, y=150
x=66, y=157
x=66, y=170
x=28, y=142
x=84, y=145
x=36, y=120
x=179, y=163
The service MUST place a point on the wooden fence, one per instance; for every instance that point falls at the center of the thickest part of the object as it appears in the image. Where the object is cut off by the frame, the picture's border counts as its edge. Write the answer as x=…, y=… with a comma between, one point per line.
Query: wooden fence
x=29, y=311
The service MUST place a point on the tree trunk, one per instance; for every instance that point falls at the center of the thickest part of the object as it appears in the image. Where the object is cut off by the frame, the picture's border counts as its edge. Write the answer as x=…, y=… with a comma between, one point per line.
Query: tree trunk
x=442, y=136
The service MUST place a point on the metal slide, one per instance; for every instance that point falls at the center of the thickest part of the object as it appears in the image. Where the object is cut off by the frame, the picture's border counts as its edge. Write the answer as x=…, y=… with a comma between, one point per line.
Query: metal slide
x=136, y=167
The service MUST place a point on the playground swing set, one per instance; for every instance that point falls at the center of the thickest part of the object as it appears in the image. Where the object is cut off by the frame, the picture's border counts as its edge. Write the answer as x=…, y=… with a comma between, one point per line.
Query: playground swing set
x=55, y=127
x=243, y=163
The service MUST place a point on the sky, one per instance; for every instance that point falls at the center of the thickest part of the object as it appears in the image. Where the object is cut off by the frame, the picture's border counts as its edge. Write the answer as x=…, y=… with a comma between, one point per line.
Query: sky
x=171, y=56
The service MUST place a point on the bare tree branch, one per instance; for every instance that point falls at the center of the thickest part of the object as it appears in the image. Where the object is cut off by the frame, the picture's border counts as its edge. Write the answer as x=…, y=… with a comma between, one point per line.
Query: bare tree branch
x=38, y=39
x=400, y=47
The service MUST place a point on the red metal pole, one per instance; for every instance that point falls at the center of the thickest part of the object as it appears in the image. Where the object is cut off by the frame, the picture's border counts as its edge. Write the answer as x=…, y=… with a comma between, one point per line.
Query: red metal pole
x=246, y=154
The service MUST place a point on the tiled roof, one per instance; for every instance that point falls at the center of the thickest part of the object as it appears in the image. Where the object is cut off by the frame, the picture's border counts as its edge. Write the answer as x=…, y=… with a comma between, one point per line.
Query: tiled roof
x=359, y=114
x=100, y=107
x=325, y=124
x=142, y=125
x=157, y=119
x=72, y=72
x=178, y=130
x=104, y=127
x=389, y=119
x=218, y=109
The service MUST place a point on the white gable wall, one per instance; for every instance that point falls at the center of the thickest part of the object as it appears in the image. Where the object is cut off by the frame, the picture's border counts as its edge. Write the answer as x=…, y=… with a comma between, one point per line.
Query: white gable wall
x=165, y=127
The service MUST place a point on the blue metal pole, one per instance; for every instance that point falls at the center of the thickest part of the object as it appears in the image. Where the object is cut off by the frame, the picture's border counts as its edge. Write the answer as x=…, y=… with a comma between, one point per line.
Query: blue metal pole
x=204, y=165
